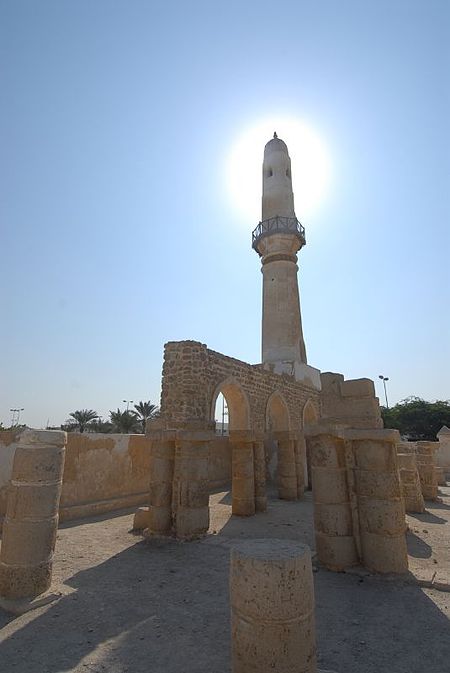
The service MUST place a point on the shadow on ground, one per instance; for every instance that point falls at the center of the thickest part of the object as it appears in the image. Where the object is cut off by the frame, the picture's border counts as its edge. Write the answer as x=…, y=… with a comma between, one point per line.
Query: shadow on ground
x=417, y=547
x=161, y=606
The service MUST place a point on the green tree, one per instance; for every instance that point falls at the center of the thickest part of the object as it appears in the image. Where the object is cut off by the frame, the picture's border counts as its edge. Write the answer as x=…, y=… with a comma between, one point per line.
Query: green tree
x=417, y=419
x=123, y=421
x=83, y=417
x=145, y=412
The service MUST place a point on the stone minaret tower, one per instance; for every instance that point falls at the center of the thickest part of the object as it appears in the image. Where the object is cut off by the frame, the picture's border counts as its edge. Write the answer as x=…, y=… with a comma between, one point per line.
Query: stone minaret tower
x=277, y=239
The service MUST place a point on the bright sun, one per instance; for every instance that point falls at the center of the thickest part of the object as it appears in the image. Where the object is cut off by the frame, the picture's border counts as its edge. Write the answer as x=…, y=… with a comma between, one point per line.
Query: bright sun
x=311, y=166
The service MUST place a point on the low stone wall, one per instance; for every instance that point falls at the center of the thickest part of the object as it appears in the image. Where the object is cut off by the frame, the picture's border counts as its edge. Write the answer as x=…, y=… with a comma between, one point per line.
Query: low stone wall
x=103, y=472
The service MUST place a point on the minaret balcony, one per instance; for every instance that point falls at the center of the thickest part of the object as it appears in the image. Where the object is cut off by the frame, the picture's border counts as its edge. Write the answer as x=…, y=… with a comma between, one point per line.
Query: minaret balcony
x=278, y=225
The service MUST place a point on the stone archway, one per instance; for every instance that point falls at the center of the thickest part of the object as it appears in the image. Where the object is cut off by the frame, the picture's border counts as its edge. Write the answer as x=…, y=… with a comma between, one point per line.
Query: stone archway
x=281, y=447
x=237, y=402
x=247, y=453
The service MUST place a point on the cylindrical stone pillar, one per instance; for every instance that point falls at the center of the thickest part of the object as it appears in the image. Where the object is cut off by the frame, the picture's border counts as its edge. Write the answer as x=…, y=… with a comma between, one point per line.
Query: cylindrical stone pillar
x=31, y=521
x=300, y=463
x=272, y=608
x=440, y=476
x=380, y=501
x=190, y=497
x=409, y=478
x=259, y=460
x=243, y=473
x=162, y=454
x=333, y=522
x=286, y=466
x=426, y=465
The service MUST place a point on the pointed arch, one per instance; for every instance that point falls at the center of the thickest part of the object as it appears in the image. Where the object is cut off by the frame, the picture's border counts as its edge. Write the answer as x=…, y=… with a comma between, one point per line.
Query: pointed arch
x=237, y=402
x=310, y=413
x=277, y=413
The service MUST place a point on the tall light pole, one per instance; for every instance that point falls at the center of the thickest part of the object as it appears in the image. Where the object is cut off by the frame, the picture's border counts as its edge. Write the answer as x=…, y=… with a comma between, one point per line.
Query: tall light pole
x=15, y=415
x=128, y=402
x=384, y=379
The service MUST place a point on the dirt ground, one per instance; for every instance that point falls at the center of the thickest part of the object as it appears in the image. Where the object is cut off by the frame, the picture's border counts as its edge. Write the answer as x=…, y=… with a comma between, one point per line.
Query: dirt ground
x=161, y=606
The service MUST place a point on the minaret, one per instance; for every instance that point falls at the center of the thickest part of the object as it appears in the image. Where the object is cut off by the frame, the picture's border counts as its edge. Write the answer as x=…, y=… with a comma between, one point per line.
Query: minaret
x=277, y=239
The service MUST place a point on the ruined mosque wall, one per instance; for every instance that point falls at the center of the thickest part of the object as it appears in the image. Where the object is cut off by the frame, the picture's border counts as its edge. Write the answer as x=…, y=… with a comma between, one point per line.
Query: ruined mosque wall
x=193, y=375
x=351, y=403
x=105, y=472
x=102, y=472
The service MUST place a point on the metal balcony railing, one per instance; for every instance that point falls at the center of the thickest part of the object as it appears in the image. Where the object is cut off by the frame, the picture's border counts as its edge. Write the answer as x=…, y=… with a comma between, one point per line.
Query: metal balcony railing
x=279, y=225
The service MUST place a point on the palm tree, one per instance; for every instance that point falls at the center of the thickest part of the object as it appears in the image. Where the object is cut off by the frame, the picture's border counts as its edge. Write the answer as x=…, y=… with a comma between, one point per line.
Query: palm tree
x=145, y=412
x=123, y=421
x=83, y=417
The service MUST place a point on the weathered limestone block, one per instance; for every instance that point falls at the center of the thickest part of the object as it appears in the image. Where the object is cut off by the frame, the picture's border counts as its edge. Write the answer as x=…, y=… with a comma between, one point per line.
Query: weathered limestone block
x=409, y=477
x=272, y=608
x=426, y=466
x=243, y=473
x=333, y=523
x=141, y=519
x=31, y=521
x=259, y=462
x=287, y=465
x=162, y=456
x=190, y=497
x=380, y=501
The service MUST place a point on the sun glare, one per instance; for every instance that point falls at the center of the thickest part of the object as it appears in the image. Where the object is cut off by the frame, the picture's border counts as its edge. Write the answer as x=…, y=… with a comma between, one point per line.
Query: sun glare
x=311, y=166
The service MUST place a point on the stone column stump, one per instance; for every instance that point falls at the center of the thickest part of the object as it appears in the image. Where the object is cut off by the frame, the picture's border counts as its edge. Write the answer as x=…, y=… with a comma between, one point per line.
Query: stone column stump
x=162, y=456
x=440, y=476
x=380, y=501
x=272, y=608
x=426, y=466
x=333, y=522
x=190, y=497
x=259, y=461
x=243, y=473
x=31, y=521
x=300, y=462
x=286, y=467
x=409, y=478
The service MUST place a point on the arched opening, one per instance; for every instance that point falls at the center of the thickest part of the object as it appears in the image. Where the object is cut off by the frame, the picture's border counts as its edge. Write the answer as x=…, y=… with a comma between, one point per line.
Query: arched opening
x=310, y=417
x=277, y=414
x=230, y=412
x=277, y=421
x=221, y=416
x=230, y=399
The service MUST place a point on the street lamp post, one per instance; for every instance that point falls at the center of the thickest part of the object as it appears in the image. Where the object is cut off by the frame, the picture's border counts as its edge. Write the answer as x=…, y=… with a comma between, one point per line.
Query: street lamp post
x=128, y=402
x=15, y=416
x=384, y=379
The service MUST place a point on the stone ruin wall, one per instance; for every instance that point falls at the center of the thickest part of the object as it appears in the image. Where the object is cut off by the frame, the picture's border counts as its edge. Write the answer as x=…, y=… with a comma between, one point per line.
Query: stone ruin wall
x=193, y=375
x=102, y=472
x=351, y=403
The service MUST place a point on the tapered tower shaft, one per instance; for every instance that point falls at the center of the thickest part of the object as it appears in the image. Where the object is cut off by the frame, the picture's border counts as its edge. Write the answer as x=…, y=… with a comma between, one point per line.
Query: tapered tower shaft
x=277, y=239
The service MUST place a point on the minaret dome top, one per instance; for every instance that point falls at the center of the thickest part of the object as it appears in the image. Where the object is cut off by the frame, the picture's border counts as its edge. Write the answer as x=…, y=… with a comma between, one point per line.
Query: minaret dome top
x=276, y=145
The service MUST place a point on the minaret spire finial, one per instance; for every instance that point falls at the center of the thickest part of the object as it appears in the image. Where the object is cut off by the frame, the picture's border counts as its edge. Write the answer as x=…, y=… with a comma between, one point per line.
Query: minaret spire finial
x=275, y=134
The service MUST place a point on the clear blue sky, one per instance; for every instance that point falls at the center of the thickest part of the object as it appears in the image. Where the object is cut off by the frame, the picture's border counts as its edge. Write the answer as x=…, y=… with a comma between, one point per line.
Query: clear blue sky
x=117, y=232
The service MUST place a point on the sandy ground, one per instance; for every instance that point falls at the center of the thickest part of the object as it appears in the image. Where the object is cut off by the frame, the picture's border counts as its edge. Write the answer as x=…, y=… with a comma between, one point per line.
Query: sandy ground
x=161, y=606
